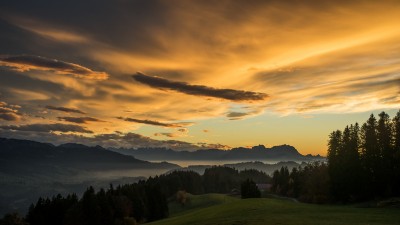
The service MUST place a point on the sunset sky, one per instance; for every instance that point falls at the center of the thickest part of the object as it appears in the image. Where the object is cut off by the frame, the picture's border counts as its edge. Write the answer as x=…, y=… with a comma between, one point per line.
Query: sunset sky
x=195, y=74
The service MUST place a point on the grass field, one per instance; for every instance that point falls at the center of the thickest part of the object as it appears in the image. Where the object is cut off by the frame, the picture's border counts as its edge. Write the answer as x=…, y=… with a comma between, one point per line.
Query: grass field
x=223, y=210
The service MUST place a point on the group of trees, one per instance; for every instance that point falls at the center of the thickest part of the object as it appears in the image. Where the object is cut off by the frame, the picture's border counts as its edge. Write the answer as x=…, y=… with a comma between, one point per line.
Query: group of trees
x=131, y=203
x=364, y=162
x=308, y=184
x=221, y=179
x=249, y=189
x=217, y=179
x=123, y=205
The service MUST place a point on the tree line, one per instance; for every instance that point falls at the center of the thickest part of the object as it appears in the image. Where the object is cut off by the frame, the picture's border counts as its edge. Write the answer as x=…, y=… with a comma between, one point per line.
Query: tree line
x=363, y=163
x=307, y=184
x=123, y=205
x=129, y=204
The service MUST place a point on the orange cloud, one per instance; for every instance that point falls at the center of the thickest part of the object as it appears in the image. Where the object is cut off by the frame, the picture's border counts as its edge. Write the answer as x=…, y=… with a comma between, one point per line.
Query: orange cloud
x=29, y=62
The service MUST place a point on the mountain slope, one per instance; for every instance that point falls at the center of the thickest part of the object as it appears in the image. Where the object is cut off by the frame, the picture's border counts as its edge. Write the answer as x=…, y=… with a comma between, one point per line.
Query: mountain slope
x=29, y=170
x=15, y=155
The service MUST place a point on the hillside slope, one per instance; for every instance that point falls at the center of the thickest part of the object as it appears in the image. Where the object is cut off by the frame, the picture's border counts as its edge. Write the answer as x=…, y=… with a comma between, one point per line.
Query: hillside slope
x=272, y=211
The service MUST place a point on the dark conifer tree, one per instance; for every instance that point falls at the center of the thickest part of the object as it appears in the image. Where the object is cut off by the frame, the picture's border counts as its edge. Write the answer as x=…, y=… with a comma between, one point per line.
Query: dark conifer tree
x=334, y=159
x=385, y=140
x=396, y=153
x=249, y=189
x=371, y=154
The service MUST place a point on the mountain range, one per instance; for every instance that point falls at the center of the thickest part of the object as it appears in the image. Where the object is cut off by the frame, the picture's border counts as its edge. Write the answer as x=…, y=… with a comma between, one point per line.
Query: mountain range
x=23, y=155
x=29, y=170
x=256, y=153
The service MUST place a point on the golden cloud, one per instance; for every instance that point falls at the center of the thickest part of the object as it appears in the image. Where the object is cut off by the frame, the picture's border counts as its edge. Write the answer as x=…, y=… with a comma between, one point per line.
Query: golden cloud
x=30, y=62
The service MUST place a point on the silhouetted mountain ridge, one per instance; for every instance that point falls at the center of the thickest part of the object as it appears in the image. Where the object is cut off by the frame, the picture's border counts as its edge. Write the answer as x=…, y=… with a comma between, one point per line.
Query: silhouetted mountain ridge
x=19, y=154
x=255, y=153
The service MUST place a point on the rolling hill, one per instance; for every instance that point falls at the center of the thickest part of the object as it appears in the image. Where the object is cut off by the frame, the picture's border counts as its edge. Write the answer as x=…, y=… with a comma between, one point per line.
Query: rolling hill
x=224, y=210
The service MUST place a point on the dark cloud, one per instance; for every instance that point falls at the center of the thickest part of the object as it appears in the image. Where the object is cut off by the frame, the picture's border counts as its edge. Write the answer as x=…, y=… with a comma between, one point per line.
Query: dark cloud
x=9, y=116
x=201, y=90
x=32, y=62
x=166, y=134
x=46, y=128
x=8, y=113
x=157, y=123
x=236, y=114
x=65, y=109
x=79, y=119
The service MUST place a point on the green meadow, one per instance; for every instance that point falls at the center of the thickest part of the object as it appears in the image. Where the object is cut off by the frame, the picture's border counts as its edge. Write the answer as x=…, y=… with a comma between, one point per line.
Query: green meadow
x=223, y=210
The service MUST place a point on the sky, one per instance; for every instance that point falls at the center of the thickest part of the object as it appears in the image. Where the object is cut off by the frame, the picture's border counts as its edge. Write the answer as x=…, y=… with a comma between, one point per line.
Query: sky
x=190, y=74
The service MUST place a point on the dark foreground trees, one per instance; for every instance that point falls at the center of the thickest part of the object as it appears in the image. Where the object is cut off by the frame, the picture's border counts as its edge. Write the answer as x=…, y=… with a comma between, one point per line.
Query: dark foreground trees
x=308, y=184
x=249, y=189
x=12, y=219
x=133, y=203
x=364, y=162
x=125, y=204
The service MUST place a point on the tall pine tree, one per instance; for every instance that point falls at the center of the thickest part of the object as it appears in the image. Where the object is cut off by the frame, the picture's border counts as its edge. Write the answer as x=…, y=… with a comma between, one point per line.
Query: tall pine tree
x=385, y=140
x=396, y=153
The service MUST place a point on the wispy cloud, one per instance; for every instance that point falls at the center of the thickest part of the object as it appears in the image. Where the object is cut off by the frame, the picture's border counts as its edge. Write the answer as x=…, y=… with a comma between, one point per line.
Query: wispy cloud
x=157, y=123
x=65, y=109
x=236, y=114
x=167, y=134
x=244, y=112
x=32, y=62
x=79, y=119
x=201, y=90
x=46, y=128
x=181, y=132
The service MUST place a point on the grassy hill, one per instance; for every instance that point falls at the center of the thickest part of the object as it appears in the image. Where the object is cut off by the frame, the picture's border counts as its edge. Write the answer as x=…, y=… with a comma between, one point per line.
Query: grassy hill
x=220, y=209
x=198, y=202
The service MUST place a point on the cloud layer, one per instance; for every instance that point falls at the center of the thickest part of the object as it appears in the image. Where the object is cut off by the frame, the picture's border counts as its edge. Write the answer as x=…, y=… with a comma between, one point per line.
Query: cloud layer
x=32, y=62
x=126, y=140
x=46, y=128
x=201, y=90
